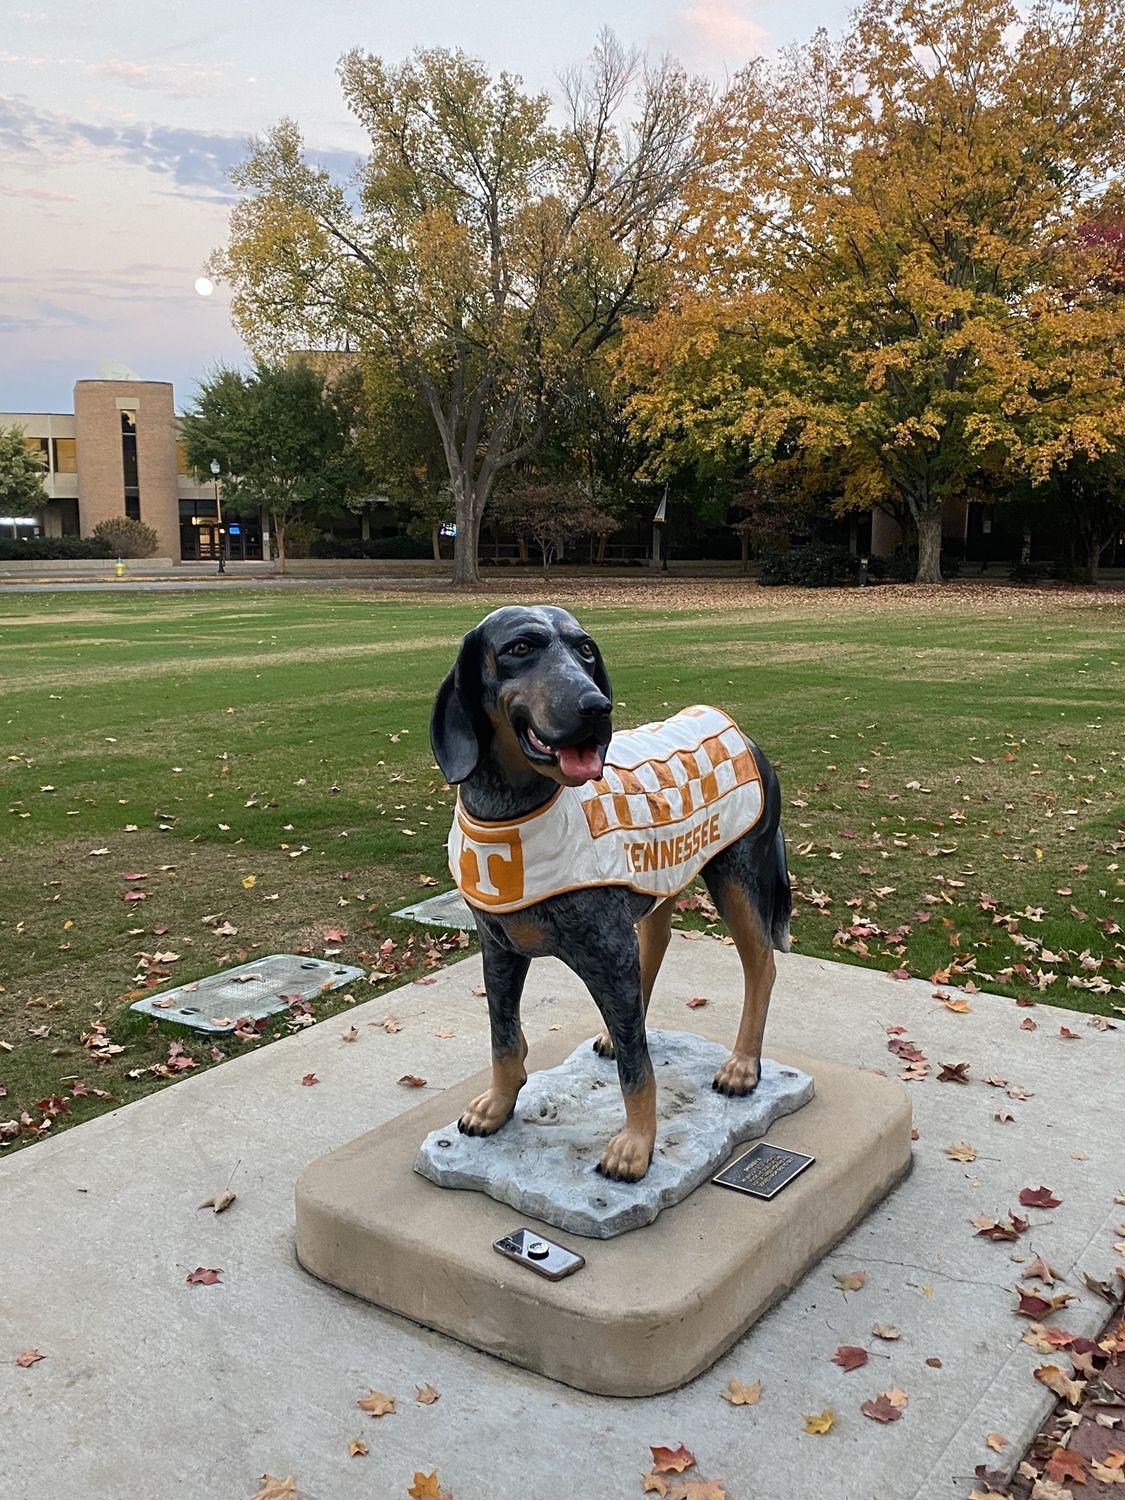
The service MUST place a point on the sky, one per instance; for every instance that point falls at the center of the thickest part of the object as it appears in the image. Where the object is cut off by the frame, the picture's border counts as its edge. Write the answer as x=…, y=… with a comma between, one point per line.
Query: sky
x=118, y=125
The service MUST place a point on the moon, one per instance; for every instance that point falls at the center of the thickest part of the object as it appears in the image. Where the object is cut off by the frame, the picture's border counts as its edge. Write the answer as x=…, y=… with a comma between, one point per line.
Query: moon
x=204, y=286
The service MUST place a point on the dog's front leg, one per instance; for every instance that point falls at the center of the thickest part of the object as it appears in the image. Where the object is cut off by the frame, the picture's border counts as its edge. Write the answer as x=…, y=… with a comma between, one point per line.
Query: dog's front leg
x=504, y=975
x=609, y=964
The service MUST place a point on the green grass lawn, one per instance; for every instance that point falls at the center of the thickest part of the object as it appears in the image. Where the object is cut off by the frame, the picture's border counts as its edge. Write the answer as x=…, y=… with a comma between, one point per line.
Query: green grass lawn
x=951, y=769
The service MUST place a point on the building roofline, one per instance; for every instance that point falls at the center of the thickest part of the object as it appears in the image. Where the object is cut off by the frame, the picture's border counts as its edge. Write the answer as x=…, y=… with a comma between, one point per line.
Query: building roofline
x=93, y=381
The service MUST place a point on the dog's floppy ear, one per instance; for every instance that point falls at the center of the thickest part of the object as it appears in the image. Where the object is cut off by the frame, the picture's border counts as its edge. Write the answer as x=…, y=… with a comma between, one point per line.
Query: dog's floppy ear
x=454, y=724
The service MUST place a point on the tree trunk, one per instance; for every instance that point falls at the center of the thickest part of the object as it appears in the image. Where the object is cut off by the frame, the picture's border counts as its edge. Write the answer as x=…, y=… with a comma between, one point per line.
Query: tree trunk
x=279, y=533
x=435, y=540
x=744, y=539
x=466, y=544
x=1094, y=549
x=929, y=544
x=602, y=541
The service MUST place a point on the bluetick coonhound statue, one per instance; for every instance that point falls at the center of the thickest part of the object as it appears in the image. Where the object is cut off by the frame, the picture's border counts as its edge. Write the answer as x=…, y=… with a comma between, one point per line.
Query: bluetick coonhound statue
x=573, y=841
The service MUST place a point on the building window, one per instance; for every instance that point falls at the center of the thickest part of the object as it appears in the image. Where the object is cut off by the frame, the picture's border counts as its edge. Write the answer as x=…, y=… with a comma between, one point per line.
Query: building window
x=182, y=466
x=66, y=456
x=40, y=447
x=129, y=464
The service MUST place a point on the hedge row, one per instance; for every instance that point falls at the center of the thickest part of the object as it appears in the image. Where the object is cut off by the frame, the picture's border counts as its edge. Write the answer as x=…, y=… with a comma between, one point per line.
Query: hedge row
x=53, y=548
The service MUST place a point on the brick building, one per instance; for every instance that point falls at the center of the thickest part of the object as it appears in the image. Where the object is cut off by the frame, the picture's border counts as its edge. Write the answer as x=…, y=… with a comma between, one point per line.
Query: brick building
x=119, y=454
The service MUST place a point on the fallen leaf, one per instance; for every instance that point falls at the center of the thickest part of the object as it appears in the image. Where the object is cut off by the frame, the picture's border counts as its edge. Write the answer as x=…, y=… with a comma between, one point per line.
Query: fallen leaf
x=1103, y=1288
x=820, y=1422
x=881, y=1410
x=697, y=1489
x=1054, y=1379
x=1040, y=1270
x=996, y=1441
x=959, y=1006
x=1031, y=1305
x=250, y=882
x=849, y=1281
x=742, y=1395
x=896, y=1397
x=309, y=1079
x=653, y=1484
x=697, y=1002
x=357, y=1449
x=953, y=1073
x=219, y=1201
x=1108, y=1473
x=426, y=1487
x=28, y=1357
x=351, y=1035
x=933, y=1362
x=961, y=1151
x=377, y=1404
x=850, y=1357
x=203, y=1276
x=1040, y=1197
x=1065, y=1467
x=276, y=1489
x=425, y=1395
x=671, y=1460
x=444, y=1034
x=408, y=1080
x=885, y=1331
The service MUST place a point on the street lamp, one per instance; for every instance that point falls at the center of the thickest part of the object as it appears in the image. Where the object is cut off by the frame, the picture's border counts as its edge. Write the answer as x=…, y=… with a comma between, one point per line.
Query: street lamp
x=215, y=472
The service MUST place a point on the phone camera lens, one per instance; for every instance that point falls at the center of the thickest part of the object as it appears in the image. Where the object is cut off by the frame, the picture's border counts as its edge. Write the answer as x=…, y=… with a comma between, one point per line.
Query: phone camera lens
x=539, y=1249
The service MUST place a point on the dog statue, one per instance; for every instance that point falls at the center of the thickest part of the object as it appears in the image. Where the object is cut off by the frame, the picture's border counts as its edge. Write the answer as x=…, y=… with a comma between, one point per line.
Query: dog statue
x=572, y=841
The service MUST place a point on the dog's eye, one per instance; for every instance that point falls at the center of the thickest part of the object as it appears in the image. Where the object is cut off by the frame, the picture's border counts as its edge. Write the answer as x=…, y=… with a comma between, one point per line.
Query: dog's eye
x=586, y=650
x=519, y=648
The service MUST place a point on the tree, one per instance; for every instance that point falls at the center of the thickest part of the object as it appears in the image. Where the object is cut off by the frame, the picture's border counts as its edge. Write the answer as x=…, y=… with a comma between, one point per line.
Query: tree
x=486, y=251
x=21, y=474
x=883, y=263
x=552, y=515
x=282, y=442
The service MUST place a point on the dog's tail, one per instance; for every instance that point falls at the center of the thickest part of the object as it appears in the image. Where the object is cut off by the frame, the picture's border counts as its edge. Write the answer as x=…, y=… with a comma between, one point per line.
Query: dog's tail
x=782, y=896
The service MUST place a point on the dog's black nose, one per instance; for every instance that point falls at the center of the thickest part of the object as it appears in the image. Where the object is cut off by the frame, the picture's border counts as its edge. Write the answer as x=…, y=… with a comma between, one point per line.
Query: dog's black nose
x=593, y=704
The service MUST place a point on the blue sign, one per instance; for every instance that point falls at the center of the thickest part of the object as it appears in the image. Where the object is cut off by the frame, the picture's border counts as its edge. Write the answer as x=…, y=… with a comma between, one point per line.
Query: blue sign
x=234, y=530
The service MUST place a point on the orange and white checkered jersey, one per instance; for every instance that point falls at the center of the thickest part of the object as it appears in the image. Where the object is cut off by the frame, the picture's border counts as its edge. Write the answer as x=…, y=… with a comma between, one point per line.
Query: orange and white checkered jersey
x=671, y=795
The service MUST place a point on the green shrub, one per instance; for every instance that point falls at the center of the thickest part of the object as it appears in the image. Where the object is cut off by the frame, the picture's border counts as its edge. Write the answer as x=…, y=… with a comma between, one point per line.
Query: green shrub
x=902, y=566
x=813, y=566
x=126, y=537
x=375, y=547
x=53, y=548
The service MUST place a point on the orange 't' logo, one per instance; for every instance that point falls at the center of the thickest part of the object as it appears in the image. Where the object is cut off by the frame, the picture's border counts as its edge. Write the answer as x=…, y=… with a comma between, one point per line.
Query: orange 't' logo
x=491, y=866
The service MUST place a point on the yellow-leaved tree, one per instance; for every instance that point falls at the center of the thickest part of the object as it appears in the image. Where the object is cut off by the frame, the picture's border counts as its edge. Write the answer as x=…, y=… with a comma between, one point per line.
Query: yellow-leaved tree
x=486, y=249
x=888, y=271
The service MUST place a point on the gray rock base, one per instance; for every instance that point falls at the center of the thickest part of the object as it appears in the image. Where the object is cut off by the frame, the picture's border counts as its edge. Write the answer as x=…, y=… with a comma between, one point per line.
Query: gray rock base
x=543, y=1161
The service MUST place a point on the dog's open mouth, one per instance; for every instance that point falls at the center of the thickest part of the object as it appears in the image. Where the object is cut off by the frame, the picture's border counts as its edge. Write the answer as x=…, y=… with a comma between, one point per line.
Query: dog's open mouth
x=581, y=762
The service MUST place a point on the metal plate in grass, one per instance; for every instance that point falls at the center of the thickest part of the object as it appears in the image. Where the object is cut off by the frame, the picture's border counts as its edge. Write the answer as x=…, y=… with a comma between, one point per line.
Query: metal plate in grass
x=444, y=910
x=257, y=989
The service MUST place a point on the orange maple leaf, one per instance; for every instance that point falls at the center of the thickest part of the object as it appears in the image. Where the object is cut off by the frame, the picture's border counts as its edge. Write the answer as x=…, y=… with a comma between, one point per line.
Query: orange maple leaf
x=671, y=1460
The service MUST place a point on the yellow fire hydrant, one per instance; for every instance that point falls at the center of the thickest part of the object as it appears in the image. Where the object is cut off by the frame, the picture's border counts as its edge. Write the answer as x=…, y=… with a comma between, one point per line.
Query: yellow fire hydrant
x=119, y=567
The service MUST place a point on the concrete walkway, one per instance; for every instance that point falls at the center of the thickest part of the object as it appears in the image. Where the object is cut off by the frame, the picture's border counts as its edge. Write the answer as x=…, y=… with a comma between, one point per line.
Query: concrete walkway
x=152, y=1387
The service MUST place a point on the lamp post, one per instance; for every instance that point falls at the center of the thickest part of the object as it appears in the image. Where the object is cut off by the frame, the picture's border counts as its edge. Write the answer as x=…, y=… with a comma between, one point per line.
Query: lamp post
x=215, y=472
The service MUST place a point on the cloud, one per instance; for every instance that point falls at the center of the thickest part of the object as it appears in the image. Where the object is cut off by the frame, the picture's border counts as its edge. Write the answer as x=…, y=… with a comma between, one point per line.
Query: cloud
x=178, y=80
x=197, y=162
x=722, y=27
x=38, y=195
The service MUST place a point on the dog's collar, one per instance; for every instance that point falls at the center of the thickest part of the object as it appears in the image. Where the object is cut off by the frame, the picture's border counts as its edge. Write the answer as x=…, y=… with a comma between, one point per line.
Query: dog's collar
x=468, y=820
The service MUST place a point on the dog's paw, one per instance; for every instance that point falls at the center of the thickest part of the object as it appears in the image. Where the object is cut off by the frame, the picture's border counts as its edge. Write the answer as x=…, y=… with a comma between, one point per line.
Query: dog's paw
x=738, y=1075
x=487, y=1113
x=627, y=1156
x=602, y=1045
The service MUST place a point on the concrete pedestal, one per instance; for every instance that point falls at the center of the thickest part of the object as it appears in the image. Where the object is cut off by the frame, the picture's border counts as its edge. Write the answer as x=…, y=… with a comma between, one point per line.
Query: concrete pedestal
x=652, y=1308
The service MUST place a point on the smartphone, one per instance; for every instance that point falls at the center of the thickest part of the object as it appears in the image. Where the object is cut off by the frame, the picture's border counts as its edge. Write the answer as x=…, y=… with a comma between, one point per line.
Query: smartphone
x=539, y=1255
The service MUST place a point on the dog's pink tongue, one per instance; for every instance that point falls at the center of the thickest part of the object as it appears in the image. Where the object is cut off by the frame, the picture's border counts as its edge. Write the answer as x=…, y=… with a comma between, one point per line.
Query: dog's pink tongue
x=580, y=762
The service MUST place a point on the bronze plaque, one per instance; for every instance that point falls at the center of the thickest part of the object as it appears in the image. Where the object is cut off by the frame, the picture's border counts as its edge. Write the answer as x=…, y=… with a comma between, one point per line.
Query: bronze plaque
x=763, y=1170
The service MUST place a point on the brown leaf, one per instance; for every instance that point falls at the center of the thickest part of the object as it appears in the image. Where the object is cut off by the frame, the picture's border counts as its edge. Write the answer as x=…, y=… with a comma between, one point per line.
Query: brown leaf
x=1065, y=1467
x=1039, y=1270
x=959, y=1006
x=351, y=1035
x=881, y=1410
x=203, y=1276
x=849, y=1281
x=309, y=1079
x=357, y=1449
x=885, y=1331
x=377, y=1404
x=410, y=1081
x=653, y=1484
x=850, y=1357
x=953, y=1073
x=1102, y=1288
x=742, y=1395
x=996, y=1441
x=671, y=1460
x=697, y=1002
x=425, y=1395
x=28, y=1357
x=219, y=1201
x=961, y=1151
x=1031, y=1305
x=426, y=1487
x=697, y=1489
x=896, y=1397
x=1055, y=1380
x=276, y=1489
